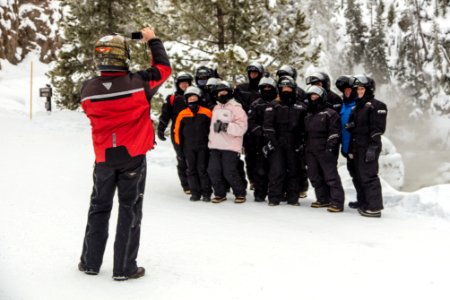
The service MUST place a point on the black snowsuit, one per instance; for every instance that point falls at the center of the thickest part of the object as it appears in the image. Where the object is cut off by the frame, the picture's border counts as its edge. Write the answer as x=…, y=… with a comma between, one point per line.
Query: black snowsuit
x=173, y=105
x=333, y=101
x=367, y=123
x=207, y=100
x=191, y=134
x=323, y=129
x=246, y=94
x=260, y=169
x=302, y=173
x=283, y=129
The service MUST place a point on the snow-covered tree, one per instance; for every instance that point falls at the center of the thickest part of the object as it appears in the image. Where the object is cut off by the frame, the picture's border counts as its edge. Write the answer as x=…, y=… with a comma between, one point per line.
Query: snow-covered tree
x=83, y=24
x=356, y=32
x=376, y=48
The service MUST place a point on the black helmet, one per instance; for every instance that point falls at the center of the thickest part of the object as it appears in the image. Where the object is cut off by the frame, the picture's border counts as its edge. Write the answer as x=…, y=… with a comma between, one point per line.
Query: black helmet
x=287, y=81
x=183, y=76
x=192, y=90
x=314, y=89
x=326, y=82
x=319, y=77
x=223, y=85
x=286, y=70
x=365, y=81
x=267, y=81
x=343, y=82
x=202, y=74
x=255, y=67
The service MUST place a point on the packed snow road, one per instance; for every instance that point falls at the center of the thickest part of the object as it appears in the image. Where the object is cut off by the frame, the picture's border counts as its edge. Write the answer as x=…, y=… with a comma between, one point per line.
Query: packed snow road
x=204, y=250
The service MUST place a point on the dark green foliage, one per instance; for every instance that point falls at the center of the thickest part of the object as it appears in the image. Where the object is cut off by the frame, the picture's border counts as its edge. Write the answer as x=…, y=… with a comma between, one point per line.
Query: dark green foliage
x=391, y=15
x=85, y=23
x=376, y=61
x=356, y=31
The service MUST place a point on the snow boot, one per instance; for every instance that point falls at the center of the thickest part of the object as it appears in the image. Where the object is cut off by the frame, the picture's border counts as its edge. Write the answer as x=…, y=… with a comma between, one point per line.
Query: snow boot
x=195, y=198
x=369, y=213
x=86, y=270
x=353, y=204
x=139, y=273
x=240, y=199
x=334, y=209
x=218, y=199
x=206, y=199
x=318, y=204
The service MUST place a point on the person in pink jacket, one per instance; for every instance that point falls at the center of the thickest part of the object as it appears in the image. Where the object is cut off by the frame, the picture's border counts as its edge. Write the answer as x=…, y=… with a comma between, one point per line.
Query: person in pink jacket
x=228, y=126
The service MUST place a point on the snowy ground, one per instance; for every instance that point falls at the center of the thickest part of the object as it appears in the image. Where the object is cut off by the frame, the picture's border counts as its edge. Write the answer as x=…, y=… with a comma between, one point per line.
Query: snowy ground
x=201, y=250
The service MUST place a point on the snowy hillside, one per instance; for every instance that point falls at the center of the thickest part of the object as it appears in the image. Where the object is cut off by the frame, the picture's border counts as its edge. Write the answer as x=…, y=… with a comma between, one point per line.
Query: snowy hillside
x=199, y=250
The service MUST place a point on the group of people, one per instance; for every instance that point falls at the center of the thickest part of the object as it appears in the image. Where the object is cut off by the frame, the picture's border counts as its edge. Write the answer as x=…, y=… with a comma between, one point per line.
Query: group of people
x=288, y=135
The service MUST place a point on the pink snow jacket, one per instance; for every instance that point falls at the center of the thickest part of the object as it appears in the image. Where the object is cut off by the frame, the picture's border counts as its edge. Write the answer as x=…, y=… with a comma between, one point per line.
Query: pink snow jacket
x=233, y=114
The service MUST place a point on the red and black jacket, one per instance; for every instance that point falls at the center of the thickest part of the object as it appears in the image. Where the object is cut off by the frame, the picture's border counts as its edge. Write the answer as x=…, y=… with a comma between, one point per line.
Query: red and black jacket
x=118, y=106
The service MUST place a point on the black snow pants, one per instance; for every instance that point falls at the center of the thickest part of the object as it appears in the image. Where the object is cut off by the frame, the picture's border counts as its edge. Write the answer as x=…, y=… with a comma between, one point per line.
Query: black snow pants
x=283, y=175
x=197, y=175
x=366, y=177
x=130, y=183
x=261, y=175
x=324, y=177
x=351, y=167
x=302, y=173
x=250, y=157
x=223, y=164
x=181, y=165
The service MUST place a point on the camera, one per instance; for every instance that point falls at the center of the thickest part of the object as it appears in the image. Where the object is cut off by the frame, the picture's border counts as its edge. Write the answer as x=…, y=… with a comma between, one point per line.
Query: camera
x=136, y=35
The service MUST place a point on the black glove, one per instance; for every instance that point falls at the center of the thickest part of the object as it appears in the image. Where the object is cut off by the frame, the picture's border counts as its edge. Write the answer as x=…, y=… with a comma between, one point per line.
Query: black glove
x=332, y=146
x=350, y=126
x=300, y=149
x=220, y=126
x=267, y=149
x=371, y=153
x=161, y=135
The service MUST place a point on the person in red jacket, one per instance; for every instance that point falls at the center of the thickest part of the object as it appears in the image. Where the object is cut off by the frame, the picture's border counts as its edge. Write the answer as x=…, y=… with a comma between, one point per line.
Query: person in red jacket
x=117, y=104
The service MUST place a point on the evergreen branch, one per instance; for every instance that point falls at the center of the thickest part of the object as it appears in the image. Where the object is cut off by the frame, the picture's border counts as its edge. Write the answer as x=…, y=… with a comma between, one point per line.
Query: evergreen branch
x=445, y=54
x=193, y=17
x=194, y=47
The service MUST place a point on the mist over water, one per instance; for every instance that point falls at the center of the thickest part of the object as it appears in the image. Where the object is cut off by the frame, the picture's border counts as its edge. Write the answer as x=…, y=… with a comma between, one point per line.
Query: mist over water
x=423, y=140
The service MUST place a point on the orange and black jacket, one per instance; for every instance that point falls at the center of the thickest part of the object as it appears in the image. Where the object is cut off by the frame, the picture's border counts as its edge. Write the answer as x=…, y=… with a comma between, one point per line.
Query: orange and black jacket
x=118, y=106
x=192, y=128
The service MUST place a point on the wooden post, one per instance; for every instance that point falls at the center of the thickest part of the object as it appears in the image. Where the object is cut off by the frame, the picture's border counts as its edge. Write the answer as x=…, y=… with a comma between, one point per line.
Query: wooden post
x=31, y=90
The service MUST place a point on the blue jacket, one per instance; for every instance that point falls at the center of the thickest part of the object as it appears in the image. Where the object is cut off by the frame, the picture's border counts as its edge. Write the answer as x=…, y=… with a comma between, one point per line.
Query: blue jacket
x=345, y=135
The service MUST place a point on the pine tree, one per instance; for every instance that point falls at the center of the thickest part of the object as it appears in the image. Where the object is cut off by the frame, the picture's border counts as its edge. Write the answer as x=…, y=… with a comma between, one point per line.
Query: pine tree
x=293, y=42
x=376, y=61
x=391, y=15
x=85, y=22
x=356, y=32
x=325, y=31
x=230, y=33
x=444, y=5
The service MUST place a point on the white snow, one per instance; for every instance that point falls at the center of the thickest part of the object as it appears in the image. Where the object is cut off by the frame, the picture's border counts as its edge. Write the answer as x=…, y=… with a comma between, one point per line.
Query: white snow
x=199, y=250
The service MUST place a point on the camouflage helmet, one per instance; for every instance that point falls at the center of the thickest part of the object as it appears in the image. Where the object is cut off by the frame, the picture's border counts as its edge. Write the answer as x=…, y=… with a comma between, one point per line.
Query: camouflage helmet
x=112, y=53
